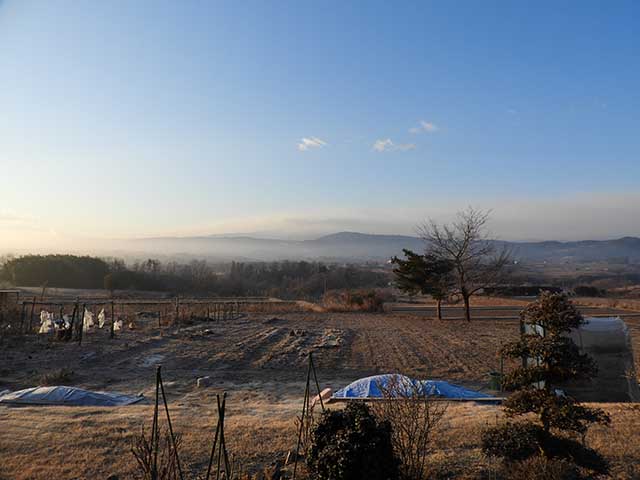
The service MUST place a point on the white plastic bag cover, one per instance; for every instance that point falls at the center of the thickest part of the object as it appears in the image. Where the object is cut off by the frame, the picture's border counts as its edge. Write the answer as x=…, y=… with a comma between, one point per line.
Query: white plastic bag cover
x=46, y=322
x=87, y=320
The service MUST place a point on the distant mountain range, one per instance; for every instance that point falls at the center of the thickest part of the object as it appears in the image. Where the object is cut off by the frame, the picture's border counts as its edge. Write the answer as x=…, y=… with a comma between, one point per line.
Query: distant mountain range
x=353, y=246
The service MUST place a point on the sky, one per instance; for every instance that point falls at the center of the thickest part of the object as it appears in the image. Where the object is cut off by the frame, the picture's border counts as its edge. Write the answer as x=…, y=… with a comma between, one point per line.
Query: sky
x=126, y=119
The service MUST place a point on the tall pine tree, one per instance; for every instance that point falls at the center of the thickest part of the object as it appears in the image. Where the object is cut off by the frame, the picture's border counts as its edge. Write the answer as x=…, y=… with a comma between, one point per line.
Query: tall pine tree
x=425, y=274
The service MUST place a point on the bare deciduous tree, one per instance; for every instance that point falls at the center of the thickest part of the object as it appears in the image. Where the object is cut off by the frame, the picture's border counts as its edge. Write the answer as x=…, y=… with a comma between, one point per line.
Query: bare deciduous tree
x=477, y=261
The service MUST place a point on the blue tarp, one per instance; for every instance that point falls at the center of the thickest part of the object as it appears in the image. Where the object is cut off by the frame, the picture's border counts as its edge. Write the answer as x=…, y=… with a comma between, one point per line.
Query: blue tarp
x=369, y=387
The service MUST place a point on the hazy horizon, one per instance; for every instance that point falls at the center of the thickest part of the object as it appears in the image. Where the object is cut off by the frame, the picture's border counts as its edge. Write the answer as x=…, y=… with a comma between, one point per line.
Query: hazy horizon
x=144, y=119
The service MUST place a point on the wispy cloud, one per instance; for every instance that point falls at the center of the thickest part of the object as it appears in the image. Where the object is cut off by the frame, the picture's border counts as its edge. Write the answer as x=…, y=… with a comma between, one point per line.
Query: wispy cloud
x=387, y=145
x=311, y=142
x=424, y=126
x=11, y=217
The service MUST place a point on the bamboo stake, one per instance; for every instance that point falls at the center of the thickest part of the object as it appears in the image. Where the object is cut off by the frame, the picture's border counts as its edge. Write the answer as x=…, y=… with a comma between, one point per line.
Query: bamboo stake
x=155, y=438
x=213, y=447
x=315, y=377
x=221, y=417
x=302, y=419
x=173, y=438
x=223, y=443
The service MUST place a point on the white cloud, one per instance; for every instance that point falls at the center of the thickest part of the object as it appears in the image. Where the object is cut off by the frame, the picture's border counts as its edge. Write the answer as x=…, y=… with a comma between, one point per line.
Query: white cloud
x=311, y=142
x=382, y=145
x=406, y=146
x=9, y=217
x=387, y=145
x=424, y=126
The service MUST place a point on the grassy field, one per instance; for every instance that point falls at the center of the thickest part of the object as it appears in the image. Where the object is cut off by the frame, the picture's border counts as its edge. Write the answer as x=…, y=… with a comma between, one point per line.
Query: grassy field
x=260, y=361
x=94, y=442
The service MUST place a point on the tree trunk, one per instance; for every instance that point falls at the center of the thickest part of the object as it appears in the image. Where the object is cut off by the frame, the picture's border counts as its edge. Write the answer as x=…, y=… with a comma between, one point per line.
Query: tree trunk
x=467, y=309
x=439, y=309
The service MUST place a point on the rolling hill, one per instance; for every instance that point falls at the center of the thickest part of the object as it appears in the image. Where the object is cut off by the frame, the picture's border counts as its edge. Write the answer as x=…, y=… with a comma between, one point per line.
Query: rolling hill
x=354, y=246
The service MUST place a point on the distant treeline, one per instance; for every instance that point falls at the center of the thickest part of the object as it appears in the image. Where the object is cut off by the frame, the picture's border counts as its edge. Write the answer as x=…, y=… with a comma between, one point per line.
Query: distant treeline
x=281, y=279
x=535, y=290
x=520, y=290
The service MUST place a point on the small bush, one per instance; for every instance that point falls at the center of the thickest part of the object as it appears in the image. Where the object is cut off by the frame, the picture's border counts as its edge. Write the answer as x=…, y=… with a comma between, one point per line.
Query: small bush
x=166, y=466
x=589, y=291
x=351, y=443
x=512, y=441
x=356, y=300
x=541, y=468
x=578, y=453
x=414, y=418
x=516, y=442
x=61, y=376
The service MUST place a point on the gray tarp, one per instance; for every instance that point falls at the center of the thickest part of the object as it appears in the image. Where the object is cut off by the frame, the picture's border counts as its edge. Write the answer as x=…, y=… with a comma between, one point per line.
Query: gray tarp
x=69, y=396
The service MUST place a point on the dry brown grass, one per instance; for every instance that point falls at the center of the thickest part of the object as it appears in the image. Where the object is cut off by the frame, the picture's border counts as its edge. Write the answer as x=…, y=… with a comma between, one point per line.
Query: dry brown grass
x=281, y=307
x=71, y=443
x=59, y=376
x=476, y=301
x=482, y=301
x=617, y=303
x=355, y=300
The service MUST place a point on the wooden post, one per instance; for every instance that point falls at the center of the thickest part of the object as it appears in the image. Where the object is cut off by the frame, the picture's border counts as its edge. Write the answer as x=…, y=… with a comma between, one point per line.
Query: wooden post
x=22, y=317
x=177, y=310
x=159, y=323
x=84, y=309
x=33, y=306
x=73, y=320
x=113, y=322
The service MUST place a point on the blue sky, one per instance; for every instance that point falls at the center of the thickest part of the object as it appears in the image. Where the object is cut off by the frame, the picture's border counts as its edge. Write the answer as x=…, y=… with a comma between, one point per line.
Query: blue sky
x=121, y=119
